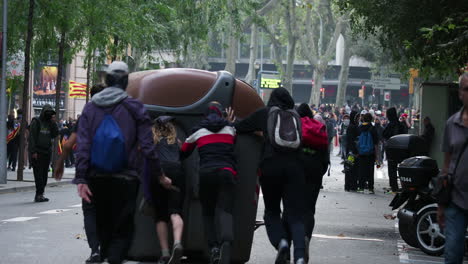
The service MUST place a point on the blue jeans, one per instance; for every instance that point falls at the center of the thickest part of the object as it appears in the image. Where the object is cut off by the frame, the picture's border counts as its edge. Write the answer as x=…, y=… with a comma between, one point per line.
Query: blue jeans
x=456, y=221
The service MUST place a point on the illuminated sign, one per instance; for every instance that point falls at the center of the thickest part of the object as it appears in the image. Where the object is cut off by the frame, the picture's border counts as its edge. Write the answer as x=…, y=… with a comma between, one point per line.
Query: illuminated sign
x=270, y=81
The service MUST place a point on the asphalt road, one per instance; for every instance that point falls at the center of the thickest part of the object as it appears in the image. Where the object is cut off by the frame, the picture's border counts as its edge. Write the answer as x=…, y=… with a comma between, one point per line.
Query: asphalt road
x=350, y=228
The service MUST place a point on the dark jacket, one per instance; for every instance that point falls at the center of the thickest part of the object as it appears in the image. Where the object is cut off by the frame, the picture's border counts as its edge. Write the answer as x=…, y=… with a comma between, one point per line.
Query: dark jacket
x=42, y=132
x=352, y=133
x=134, y=123
x=394, y=126
x=214, y=137
x=428, y=135
x=379, y=129
x=258, y=121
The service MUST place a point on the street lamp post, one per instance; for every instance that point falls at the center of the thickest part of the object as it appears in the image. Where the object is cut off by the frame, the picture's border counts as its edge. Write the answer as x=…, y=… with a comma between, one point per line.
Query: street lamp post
x=3, y=103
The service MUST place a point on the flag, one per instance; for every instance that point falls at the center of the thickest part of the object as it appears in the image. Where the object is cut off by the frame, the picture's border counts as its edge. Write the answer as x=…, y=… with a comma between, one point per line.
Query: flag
x=77, y=90
x=13, y=134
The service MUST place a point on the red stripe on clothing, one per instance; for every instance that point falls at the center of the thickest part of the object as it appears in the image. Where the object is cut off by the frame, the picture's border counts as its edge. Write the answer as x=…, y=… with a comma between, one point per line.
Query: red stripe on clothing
x=215, y=138
x=230, y=170
x=187, y=147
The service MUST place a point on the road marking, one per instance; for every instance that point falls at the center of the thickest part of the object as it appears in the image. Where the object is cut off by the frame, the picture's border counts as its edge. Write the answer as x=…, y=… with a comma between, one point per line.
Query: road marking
x=347, y=238
x=19, y=219
x=55, y=211
x=75, y=206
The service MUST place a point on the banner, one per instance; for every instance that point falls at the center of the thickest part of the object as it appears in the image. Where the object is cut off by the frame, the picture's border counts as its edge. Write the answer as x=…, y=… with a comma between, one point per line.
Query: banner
x=77, y=90
x=45, y=81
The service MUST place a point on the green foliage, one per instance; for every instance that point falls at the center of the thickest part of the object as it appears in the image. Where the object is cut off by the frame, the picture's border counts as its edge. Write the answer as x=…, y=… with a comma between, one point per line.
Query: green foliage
x=430, y=35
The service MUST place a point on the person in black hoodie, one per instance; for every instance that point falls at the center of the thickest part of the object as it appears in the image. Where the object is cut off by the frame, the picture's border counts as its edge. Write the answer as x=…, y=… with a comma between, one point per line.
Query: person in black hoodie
x=12, y=142
x=367, y=156
x=42, y=131
x=393, y=128
x=215, y=137
x=428, y=134
x=315, y=164
x=282, y=180
x=351, y=176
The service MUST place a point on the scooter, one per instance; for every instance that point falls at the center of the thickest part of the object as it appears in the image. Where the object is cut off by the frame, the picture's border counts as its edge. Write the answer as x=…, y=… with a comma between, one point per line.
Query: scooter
x=417, y=216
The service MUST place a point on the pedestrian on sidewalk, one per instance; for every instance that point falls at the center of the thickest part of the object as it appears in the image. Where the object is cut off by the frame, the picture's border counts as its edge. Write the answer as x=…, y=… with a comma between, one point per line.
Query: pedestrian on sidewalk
x=343, y=129
x=351, y=164
x=282, y=177
x=89, y=208
x=428, y=133
x=167, y=195
x=393, y=128
x=42, y=131
x=114, y=131
x=379, y=128
x=214, y=137
x=368, y=151
x=453, y=217
x=13, y=128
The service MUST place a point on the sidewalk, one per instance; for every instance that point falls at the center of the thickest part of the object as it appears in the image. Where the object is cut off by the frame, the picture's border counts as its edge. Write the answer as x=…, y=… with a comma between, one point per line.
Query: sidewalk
x=28, y=181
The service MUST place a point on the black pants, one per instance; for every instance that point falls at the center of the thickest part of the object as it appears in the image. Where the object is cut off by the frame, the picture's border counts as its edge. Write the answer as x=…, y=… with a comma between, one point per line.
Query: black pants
x=167, y=202
x=217, y=194
x=115, y=201
x=283, y=180
x=351, y=176
x=40, y=170
x=70, y=160
x=89, y=215
x=366, y=172
x=12, y=153
x=393, y=175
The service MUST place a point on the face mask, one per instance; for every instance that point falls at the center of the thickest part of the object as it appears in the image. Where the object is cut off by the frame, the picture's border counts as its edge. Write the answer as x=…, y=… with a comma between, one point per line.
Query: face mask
x=346, y=122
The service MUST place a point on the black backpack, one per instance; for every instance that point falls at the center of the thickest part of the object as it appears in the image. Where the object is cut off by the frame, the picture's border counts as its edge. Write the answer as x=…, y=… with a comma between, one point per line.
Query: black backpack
x=284, y=129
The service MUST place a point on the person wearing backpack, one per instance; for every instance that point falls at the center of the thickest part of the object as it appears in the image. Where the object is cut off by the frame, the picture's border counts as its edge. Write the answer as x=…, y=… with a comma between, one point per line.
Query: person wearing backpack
x=42, y=131
x=315, y=160
x=393, y=128
x=282, y=174
x=368, y=150
x=114, y=131
x=214, y=137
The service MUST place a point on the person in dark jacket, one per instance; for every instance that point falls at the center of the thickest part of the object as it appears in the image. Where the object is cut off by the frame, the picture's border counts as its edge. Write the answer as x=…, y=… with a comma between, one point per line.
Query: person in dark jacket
x=42, y=131
x=114, y=194
x=428, y=134
x=351, y=174
x=379, y=128
x=215, y=137
x=315, y=164
x=367, y=157
x=13, y=137
x=282, y=180
x=393, y=128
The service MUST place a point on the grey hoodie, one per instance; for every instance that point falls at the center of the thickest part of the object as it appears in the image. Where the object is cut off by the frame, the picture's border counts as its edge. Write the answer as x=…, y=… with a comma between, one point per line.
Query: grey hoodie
x=109, y=96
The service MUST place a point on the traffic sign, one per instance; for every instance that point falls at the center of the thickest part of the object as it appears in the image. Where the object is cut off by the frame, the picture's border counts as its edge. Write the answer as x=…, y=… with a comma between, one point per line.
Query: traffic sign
x=387, y=96
x=270, y=81
x=386, y=83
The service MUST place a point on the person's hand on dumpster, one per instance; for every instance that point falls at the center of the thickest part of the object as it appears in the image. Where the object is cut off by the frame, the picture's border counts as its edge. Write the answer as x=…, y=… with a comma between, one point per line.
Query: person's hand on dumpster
x=165, y=181
x=231, y=116
x=84, y=192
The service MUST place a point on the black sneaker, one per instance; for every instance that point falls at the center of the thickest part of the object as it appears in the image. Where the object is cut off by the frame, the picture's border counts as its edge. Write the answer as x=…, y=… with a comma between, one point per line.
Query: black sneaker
x=177, y=253
x=163, y=260
x=94, y=258
x=40, y=199
x=214, y=258
x=282, y=255
x=225, y=253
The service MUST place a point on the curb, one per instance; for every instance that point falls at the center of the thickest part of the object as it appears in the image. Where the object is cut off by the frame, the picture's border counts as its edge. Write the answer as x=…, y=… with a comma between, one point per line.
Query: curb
x=33, y=187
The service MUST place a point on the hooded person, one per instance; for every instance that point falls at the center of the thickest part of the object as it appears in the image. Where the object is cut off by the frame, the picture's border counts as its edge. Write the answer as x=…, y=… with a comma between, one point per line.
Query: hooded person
x=368, y=151
x=42, y=131
x=114, y=190
x=214, y=137
x=282, y=180
x=352, y=132
x=393, y=128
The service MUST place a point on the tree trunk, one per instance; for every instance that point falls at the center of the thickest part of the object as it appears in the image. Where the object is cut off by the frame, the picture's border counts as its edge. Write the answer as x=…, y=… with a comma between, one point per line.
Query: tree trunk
x=231, y=53
x=288, y=77
x=344, y=72
x=25, y=105
x=318, y=79
x=253, y=54
x=58, y=89
x=88, y=77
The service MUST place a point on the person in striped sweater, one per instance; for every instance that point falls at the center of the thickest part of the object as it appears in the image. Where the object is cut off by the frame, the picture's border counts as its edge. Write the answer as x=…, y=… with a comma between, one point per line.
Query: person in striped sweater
x=215, y=137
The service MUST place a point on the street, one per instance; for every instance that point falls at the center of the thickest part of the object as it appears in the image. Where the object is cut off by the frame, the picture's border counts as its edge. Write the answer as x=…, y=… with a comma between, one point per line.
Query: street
x=350, y=228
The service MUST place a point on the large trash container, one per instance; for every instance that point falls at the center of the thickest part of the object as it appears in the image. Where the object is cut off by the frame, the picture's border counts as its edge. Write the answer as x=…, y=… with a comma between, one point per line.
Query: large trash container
x=184, y=94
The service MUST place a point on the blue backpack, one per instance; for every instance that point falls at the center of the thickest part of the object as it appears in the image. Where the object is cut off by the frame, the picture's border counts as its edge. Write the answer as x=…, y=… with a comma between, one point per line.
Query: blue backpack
x=366, y=143
x=108, y=153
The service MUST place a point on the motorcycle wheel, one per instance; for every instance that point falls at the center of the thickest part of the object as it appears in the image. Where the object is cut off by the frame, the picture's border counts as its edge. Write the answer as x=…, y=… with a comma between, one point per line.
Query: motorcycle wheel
x=408, y=233
x=430, y=237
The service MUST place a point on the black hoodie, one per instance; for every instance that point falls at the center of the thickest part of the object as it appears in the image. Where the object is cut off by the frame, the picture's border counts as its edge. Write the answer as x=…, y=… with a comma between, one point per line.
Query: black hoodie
x=394, y=127
x=42, y=131
x=258, y=121
x=352, y=133
x=304, y=110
